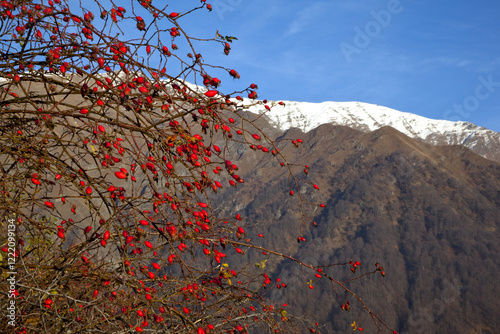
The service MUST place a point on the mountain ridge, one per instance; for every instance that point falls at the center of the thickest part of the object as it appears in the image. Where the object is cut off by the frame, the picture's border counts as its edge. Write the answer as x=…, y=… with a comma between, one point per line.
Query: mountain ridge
x=369, y=117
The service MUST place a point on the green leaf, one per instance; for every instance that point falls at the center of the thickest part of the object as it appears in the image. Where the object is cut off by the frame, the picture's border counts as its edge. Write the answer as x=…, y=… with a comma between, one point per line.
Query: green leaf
x=262, y=264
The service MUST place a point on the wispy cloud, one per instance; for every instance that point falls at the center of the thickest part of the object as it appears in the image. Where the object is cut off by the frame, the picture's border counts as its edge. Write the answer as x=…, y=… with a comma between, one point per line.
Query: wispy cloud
x=305, y=17
x=491, y=66
x=446, y=61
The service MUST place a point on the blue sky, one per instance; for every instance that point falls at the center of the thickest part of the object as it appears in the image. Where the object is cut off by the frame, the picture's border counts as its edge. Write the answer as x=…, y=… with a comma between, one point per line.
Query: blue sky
x=438, y=59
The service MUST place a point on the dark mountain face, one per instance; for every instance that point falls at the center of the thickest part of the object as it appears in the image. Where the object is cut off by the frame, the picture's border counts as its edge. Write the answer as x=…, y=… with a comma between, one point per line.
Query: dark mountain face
x=429, y=214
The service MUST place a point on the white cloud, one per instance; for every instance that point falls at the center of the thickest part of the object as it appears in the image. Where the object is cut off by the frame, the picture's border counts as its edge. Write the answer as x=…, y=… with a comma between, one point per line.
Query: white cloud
x=446, y=61
x=305, y=17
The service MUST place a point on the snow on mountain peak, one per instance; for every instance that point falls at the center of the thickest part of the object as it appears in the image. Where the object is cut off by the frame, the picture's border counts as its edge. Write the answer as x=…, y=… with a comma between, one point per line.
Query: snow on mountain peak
x=369, y=117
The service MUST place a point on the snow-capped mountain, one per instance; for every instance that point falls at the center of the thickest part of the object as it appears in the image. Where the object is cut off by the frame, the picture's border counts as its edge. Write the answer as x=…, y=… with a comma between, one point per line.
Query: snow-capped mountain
x=369, y=117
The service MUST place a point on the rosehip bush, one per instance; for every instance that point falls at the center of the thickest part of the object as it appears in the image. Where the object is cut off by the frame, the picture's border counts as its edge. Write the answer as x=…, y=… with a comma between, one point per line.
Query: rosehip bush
x=113, y=145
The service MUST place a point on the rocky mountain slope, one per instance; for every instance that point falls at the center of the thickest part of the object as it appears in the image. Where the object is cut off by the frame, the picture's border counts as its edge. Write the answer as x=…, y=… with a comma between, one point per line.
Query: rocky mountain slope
x=429, y=214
